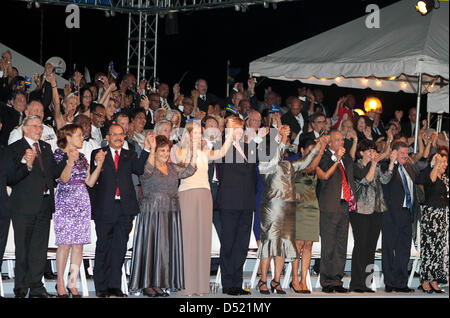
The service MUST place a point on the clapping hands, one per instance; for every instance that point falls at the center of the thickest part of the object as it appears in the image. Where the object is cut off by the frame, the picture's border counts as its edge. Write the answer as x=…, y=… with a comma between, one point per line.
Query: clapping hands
x=100, y=157
x=29, y=157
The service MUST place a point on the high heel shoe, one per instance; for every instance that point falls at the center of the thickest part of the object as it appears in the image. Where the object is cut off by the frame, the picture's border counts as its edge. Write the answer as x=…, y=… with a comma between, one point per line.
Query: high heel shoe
x=58, y=295
x=160, y=293
x=262, y=283
x=428, y=291
x=297, y=291
x=437, y=291
x=72, y=294
x=274, y=288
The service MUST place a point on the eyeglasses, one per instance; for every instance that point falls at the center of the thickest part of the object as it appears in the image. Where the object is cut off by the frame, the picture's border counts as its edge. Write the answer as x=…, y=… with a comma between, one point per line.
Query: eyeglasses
x=154, y=100
x=320, y=122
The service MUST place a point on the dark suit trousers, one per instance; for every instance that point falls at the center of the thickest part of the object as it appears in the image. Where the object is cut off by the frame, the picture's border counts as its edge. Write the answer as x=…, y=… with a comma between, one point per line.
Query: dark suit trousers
x=366, y=230
x=334, y=236
x=5, y=219
x=110, y=249
x=396, y=246
x=31, y=241
x=236, y=231
x=216, y=213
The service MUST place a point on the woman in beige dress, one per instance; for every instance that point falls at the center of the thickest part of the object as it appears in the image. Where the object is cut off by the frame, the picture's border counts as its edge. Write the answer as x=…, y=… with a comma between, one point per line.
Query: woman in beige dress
x=196, y=208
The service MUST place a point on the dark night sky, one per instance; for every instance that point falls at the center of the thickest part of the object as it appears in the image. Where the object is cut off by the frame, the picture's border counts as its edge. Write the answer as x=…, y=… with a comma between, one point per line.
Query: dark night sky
x=206, y=40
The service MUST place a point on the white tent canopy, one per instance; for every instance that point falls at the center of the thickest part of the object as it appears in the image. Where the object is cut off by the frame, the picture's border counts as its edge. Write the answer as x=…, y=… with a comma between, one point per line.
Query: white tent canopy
x=388, y=58
x=438, y=102
x=27, y=67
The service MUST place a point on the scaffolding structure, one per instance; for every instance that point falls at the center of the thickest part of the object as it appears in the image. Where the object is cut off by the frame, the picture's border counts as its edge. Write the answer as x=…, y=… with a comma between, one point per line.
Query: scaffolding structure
x=143, y=17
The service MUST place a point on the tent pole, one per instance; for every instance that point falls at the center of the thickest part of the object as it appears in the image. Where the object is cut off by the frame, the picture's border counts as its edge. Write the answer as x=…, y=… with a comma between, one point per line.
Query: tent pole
x=416, y=132
x=439, y=123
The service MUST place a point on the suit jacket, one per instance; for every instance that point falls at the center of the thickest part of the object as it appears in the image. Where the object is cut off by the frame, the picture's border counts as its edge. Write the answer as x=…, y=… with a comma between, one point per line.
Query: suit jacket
x=289, y=119
x=237, y=180
x=394, y=193
x=27, y=194
x=329, y=191
x=211, y=99
x=407, y=128
x=110, y=179
x=10, y=119
x=9, y=174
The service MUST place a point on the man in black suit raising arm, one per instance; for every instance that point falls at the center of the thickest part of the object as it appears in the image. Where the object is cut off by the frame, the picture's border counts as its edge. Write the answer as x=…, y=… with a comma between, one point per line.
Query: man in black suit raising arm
x=396, y=227
x=335, y=192
x=114, y=205
x=33, y=203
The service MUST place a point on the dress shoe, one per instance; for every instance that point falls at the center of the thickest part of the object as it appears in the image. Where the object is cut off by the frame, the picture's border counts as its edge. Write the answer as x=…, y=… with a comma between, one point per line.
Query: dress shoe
x=241, y=291
x=340, y=289
x=44, y=294
x=233, y=292
x=102, y=293
x=428, y=291
x=368, y=290
x=226, y=290
x=328, y=289
x=20, y=295
x=437, y=291
x=58, y=295
x=50, y=275
x=357, y=290
x=404, y=290
x=116, y=292
x=388, y=289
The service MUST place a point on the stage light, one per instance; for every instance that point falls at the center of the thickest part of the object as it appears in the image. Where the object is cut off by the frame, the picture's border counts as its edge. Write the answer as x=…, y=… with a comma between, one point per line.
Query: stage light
x=237, y=7
x=107, y=14
x=112, y=13
x=360, y=112
x=373, y=104
x=424, y=6
x=37, y=5
x=266, y=4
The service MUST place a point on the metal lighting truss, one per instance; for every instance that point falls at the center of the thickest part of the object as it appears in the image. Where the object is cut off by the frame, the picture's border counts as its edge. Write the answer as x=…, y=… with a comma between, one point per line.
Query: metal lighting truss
x=143, y=16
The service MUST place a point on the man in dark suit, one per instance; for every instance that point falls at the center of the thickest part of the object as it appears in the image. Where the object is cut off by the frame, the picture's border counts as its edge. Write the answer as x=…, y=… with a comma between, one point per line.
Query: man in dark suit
x=113, y=207
x=33, y=203
x=236, y=201
x=13, y=115
x=335, y=192
x=295, y=118
x=396, y=227
x=205, y=99
x=318, y=123
x=409, y=125
x=9, y=173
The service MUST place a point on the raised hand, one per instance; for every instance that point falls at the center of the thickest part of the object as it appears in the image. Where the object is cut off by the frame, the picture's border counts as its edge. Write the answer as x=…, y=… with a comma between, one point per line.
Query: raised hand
x=51, y=78
x=100, y=157
x=340, y=153
x=73, y=155
x=324, y=140
x=29, y=157
x=263, y=131
x=77, y=76
x=393, y=156
x=150, y=141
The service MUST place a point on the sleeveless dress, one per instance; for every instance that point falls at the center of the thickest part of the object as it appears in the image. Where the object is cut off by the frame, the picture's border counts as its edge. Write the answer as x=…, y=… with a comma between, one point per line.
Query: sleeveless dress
x=72, y=217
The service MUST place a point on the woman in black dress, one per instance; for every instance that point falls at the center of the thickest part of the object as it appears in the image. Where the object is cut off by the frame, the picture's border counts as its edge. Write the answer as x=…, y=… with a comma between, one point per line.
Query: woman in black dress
x=434, y=224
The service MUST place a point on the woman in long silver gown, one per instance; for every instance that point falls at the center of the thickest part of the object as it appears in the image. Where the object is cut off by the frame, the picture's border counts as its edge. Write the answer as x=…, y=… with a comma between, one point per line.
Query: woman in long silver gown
x=277, y=212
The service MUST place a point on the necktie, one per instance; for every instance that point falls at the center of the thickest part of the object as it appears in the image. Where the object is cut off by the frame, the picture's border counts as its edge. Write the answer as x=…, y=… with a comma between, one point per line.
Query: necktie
x=20, y=118
x=406, y=188
x=164, y=104
x=203, y=97
x=116, y=163
x=41, y=163
x=345, y=187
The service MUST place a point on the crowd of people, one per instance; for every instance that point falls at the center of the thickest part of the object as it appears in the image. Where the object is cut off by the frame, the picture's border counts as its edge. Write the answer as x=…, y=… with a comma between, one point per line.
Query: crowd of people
x=174, y=165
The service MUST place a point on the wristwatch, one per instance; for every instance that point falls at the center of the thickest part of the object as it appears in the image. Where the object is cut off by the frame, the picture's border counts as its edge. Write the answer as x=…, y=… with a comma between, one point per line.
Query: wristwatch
x=334, y=158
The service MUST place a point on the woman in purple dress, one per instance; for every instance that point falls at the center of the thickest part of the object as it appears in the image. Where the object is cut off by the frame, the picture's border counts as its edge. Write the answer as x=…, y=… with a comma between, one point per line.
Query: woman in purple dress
x=72, y=216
